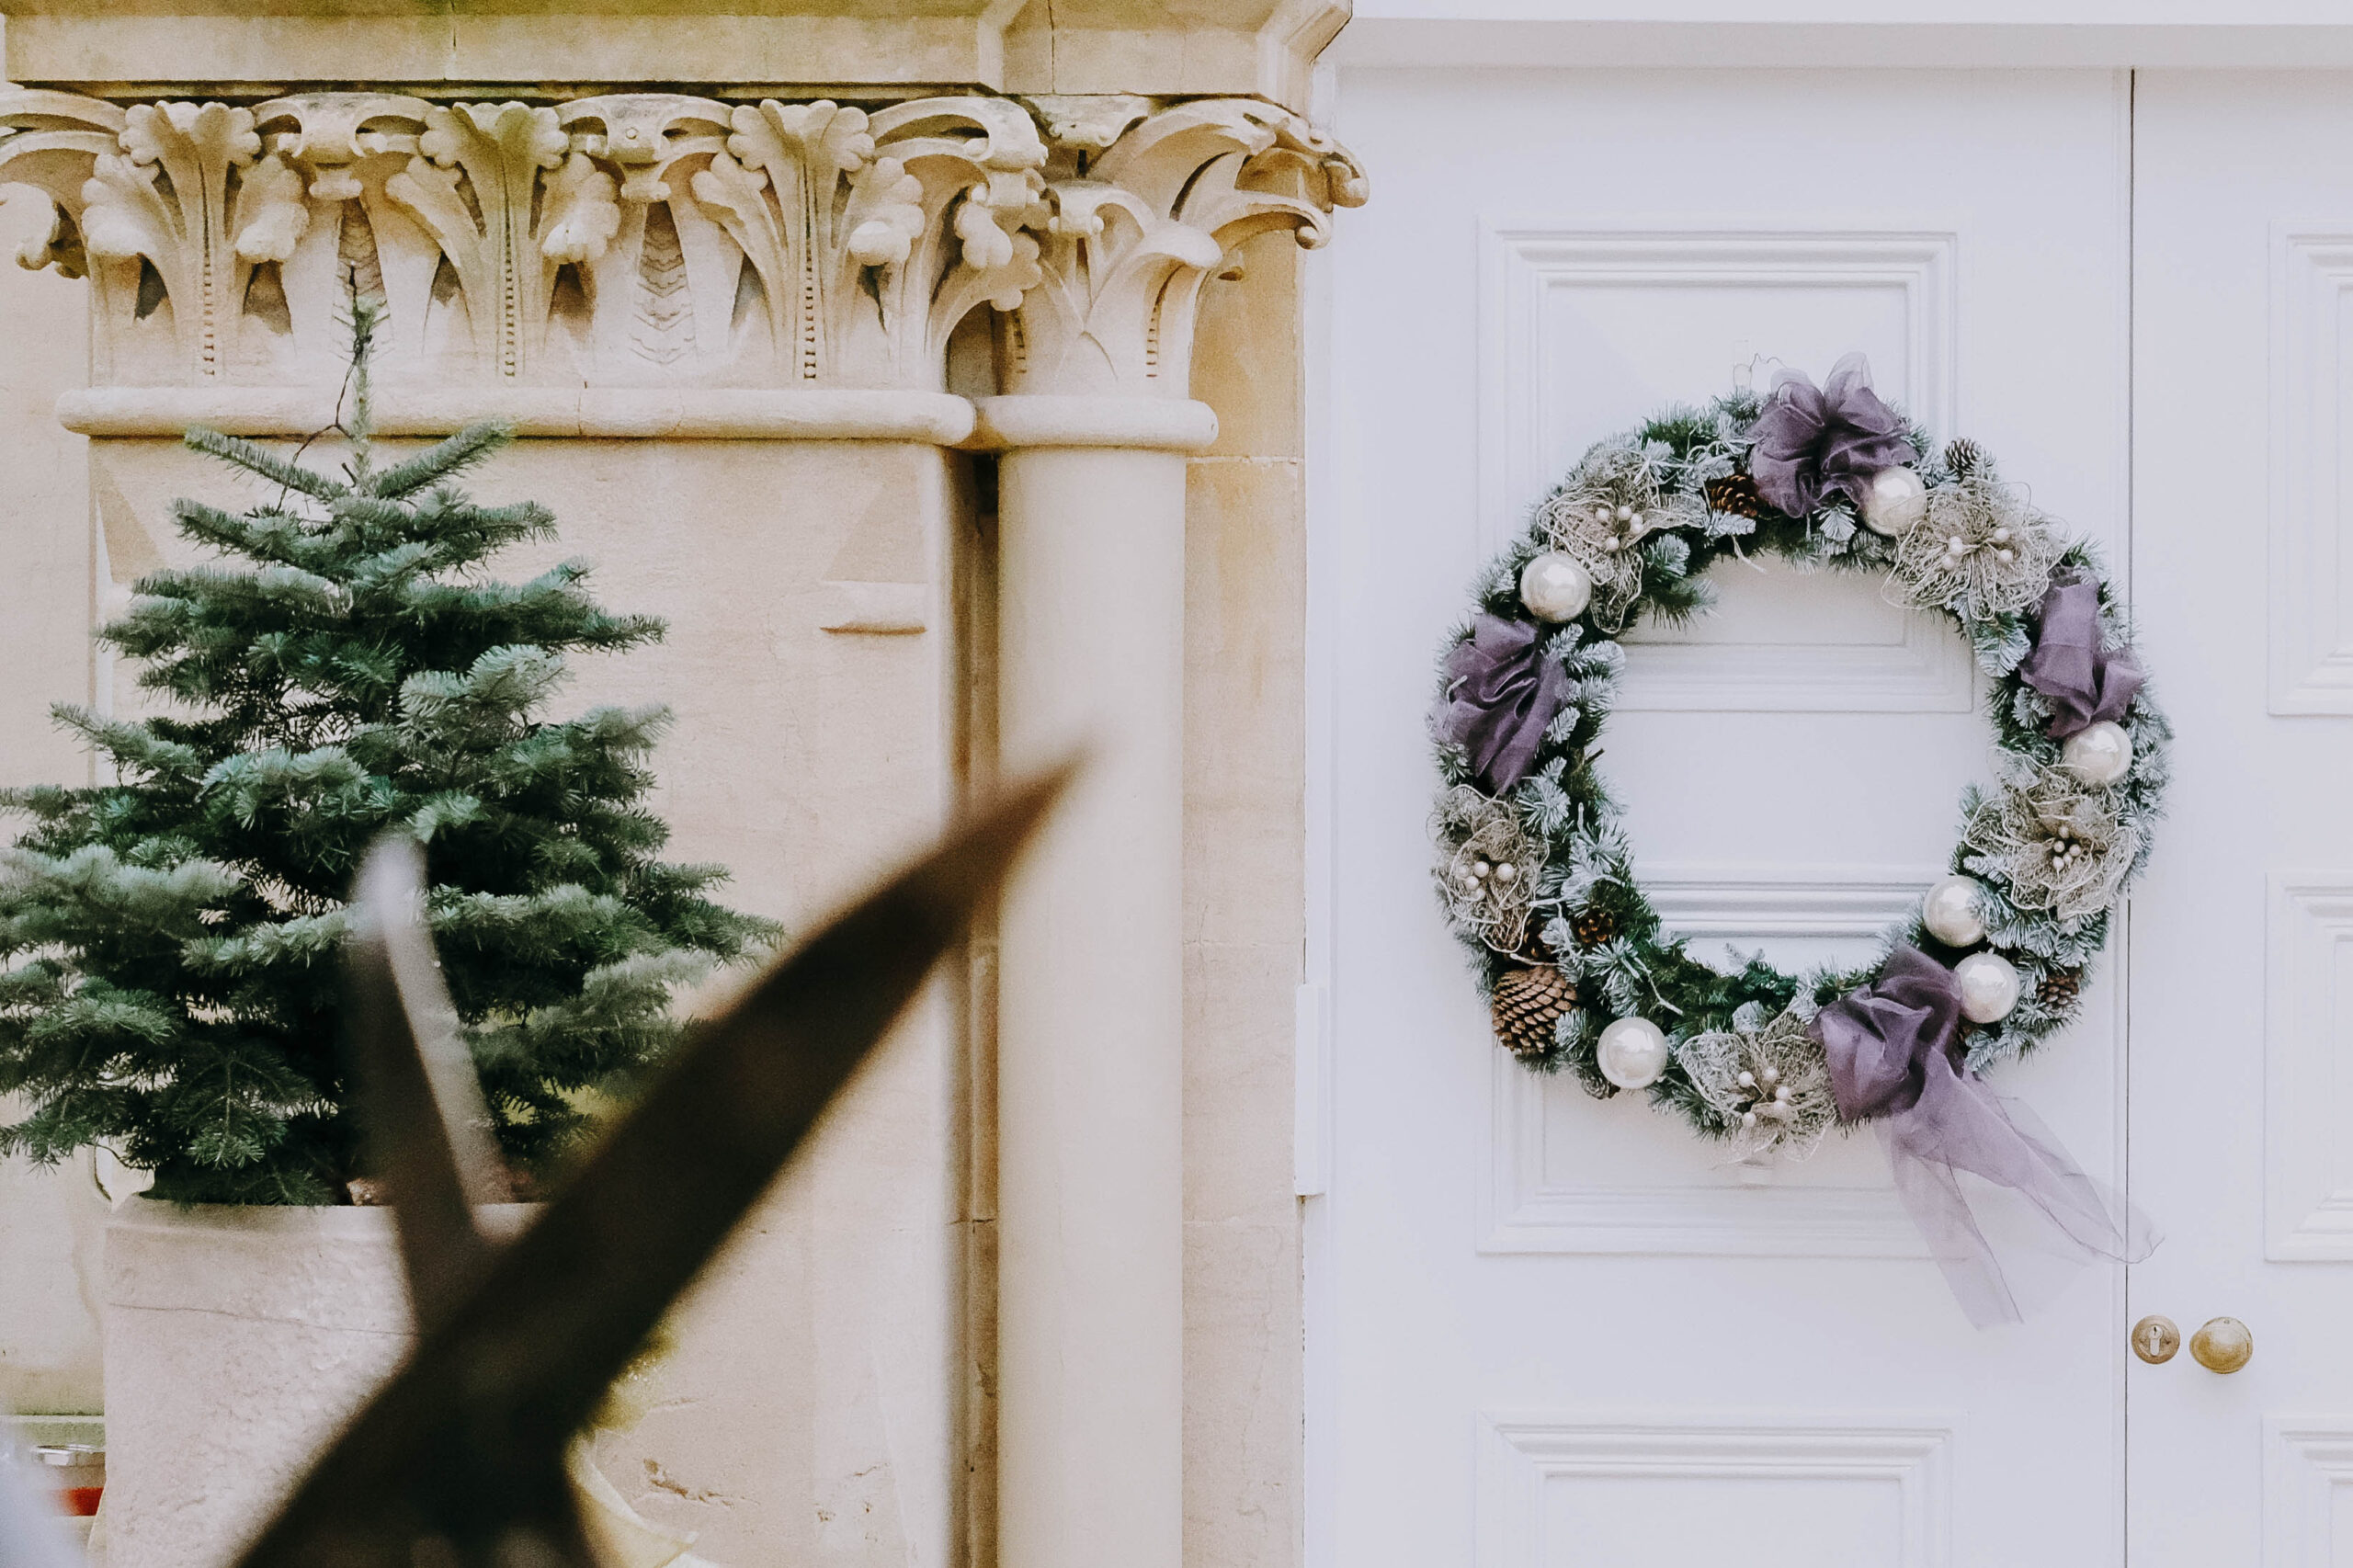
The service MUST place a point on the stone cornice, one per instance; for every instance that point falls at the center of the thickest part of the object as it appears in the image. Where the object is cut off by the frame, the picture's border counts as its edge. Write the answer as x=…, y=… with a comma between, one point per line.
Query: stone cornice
x=654, y=244
x=259, y=49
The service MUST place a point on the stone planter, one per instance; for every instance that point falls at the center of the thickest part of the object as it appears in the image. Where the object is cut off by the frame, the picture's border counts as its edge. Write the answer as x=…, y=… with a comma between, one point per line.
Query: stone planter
x=237, y=1340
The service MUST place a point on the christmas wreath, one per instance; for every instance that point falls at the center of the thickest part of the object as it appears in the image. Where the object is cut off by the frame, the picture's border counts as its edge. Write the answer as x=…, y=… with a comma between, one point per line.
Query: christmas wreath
x=1538, y=879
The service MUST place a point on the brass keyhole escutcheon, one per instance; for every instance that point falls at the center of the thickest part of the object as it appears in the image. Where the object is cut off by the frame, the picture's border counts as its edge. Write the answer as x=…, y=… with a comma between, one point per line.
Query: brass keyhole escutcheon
x=2222, y=1345
x=2155, y=1339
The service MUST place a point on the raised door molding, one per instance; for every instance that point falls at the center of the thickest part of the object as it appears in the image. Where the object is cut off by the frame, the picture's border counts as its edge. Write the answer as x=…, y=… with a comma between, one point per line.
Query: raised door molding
x=1531, y=271
x=1525, y=1206
x=1707, y=900
x=2312, y=607
x=1781, y=640
x=1566, y=308
x=1568, y=1487
x=2307, y=1471
x=2307, y=1028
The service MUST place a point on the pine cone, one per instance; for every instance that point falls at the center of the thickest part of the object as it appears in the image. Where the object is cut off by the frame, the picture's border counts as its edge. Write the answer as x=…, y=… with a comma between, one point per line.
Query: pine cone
x=1735, y=496
x=2059, y=990
x=1962, y=455
x=1593, y=926
x=1527, y=1003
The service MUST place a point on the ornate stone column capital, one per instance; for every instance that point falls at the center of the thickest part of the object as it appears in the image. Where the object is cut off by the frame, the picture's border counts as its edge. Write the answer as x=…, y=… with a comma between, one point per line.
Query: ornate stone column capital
x=661, y=240
x=627, y=240
x=1143, y=206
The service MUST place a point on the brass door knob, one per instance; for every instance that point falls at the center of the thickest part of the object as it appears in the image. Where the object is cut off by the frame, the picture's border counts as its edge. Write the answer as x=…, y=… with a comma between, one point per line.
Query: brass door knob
x=2155, y=1339
x=2222, y=1345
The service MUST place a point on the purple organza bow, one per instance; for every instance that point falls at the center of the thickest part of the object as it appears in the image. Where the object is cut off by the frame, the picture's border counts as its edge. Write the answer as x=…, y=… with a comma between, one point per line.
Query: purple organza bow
x=2084, y=682
x=1894, y=1050
x=1812, y=443
x=1501, y=692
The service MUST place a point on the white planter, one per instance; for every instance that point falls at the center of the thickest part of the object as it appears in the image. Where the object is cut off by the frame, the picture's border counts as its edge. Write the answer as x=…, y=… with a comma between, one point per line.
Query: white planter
x=237, y=1341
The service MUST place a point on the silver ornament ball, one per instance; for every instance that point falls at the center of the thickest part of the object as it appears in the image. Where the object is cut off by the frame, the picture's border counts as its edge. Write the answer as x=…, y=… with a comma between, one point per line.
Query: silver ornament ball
x=1954, y=911
x=2098, y=754
x=1632, y=1054
x=1989, y=987
x=1554, y=587
x=1897, y=499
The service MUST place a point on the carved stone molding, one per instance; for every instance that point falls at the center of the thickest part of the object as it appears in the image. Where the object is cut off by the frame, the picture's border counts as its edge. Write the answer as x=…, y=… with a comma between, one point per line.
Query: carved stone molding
x=658, y=240
x=730, y=48
x=1147, y=206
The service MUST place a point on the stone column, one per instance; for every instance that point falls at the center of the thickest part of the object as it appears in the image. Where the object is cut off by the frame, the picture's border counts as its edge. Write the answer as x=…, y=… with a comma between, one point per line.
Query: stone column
x=1143, y=208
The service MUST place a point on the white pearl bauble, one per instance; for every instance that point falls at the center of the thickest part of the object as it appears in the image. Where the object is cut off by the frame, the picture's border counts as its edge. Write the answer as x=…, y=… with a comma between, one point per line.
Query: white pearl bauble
x=2098, y=754
x=1989, y=987
x=1632, y=1054
x=1554, y=587
x=1954, y=911
x=1897, y=499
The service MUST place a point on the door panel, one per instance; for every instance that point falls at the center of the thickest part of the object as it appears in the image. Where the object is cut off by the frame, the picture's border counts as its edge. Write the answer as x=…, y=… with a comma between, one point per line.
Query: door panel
x=2242, y=936
x=1561, y=1331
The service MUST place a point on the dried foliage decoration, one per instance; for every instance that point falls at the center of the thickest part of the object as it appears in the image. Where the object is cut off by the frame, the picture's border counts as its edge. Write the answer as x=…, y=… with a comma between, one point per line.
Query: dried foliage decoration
x=2060, y=845
x=1769, y=1089
x=1613, y=501
x=1488, y=876
x=1980, y=551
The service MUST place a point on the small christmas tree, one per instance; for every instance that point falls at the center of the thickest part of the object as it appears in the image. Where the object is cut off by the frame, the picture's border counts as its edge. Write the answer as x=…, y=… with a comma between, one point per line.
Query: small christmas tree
x=169, y=975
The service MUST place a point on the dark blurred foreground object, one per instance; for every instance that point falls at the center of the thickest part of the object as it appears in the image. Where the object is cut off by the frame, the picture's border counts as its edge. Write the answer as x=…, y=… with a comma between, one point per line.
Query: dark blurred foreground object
x=459, y=1459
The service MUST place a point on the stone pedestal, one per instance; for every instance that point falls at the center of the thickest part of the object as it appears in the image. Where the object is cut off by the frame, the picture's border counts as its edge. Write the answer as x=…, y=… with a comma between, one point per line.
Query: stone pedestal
x=237, y=1341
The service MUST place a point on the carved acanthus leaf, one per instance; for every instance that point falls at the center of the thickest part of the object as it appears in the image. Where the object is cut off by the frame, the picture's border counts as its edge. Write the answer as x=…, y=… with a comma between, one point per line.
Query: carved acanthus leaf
x=580, y=215
x=977, y=160
x=885, y=215
x=869, y=237
x=166, y=197
x=506, y=246
x=1137, y=229
x=271, y=211
x=50, y=142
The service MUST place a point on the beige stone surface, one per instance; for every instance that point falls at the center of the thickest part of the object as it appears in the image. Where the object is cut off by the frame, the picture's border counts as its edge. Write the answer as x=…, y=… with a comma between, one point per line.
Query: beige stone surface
x=1247, y=362
x=811, y=1407
x=49, y=1220
x=1245, y=923
x=238, y=1340
x=1263, y=47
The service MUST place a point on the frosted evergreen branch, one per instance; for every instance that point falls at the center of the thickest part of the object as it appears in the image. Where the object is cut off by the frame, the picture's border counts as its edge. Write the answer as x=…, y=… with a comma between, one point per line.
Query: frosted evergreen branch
x=261, y=461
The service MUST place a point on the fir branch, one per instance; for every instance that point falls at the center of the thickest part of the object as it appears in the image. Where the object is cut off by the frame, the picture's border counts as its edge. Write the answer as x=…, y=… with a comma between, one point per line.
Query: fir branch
x=443, y=460
x=259, y=460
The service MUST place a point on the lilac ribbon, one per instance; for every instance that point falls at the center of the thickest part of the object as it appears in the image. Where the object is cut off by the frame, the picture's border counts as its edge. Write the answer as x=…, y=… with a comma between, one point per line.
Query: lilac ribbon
x=1896, y=1061
x=1811, y=444
x=1501, y=692
x=2084, y=682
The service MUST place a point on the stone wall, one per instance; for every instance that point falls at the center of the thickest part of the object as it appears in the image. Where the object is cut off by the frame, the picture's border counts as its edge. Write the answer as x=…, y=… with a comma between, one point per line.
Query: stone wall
x=743, y=342
x=1245, y=625
x=49, y=1221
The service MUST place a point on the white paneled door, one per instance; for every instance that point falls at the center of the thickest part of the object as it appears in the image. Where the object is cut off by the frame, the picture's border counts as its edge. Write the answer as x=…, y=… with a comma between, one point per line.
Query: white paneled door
x=1551, y=1331
x=2242, y=995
